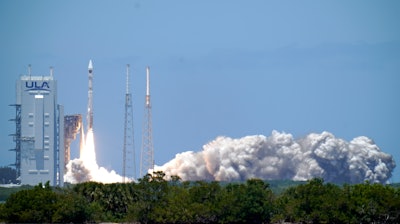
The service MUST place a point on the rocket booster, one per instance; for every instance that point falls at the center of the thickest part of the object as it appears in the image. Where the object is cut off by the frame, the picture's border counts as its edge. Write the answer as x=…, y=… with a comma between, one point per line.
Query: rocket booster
x=89, y=117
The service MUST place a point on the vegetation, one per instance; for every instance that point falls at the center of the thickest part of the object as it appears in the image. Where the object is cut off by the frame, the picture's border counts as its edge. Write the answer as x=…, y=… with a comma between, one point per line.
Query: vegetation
x=154, y=200
x=8, y=175
x=5, y=192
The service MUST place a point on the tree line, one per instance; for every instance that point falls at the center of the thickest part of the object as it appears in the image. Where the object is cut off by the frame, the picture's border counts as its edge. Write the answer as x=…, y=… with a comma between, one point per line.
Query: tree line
x=153, y=199
x=8, y=175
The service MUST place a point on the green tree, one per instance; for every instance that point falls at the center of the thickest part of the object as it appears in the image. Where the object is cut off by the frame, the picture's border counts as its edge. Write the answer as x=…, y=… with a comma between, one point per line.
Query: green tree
x=92, y=191
x=113, y=199
x=228, y=203
x=36, y=205
x=203, y=198
x=314, y=202
x=7, y=175
x=374, y=203
x=74, y=208
x=5, y=192
x=151, y=191
x=251, y=202
x=255, y=202
x=178, y=207
x=2, y=212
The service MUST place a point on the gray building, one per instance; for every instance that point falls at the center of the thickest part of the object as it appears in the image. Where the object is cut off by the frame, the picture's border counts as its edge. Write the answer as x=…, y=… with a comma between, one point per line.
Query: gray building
x=40, y=131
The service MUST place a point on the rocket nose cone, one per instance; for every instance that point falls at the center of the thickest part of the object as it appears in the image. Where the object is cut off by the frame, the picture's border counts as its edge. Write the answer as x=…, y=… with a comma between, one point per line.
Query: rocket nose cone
x=90, y=67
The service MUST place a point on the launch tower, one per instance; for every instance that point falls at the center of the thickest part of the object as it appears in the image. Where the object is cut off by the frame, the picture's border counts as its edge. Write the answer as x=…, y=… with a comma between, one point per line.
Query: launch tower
x=17, y=140
x=129, y=160
x=72, y=126
x=147, y=151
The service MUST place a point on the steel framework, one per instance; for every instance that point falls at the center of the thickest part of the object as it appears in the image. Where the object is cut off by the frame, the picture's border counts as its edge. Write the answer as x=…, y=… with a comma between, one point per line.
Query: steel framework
x=147, y=151
x=72, y=126
x=17, y=140
x=129, y=160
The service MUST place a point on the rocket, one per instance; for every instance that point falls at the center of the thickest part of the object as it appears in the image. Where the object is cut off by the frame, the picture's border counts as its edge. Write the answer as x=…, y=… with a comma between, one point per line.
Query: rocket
x=89, y=116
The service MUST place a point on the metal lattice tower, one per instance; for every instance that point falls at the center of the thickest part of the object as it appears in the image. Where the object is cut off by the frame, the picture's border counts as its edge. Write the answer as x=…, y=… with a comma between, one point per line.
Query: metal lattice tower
x=17, y=139
x=129, y=159
x=72, y=126
x=147, y=151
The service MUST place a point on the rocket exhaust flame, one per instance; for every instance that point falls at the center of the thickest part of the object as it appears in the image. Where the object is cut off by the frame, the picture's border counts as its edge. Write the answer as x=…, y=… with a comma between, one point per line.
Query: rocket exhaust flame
x=86, y=169
x=82, y=141
x=88, y=153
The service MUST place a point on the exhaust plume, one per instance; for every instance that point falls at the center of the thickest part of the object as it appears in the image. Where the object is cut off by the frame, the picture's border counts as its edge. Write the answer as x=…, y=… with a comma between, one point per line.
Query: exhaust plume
x=86, y=169
x=280, y=156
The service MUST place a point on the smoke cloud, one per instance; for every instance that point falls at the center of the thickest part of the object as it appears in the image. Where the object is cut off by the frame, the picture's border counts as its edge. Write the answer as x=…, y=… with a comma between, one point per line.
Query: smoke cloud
x=86, y=169
x=280, y=156
x=78, y=172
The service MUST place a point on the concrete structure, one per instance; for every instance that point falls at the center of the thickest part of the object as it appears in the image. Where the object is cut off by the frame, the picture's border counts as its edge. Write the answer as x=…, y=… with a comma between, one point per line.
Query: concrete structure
x=40, y=135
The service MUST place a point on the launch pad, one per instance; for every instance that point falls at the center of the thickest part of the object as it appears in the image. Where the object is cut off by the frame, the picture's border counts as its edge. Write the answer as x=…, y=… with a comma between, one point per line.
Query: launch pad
x=43, y=148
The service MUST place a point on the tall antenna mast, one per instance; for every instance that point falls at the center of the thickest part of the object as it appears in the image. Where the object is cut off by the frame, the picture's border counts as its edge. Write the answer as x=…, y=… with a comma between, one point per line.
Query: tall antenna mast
x=129, y=160
x=147, y=151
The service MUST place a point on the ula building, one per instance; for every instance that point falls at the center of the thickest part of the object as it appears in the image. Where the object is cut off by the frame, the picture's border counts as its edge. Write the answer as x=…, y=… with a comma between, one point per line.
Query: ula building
x=39, y=135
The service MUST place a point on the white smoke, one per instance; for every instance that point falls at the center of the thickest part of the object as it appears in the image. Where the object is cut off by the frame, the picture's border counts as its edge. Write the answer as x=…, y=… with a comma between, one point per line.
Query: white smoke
x=280, y=156
x=78, y=172
x=86, y=169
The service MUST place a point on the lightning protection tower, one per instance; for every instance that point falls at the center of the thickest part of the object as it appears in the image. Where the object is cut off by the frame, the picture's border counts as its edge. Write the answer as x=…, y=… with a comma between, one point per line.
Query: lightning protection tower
x=129, y=164
x=147, y=151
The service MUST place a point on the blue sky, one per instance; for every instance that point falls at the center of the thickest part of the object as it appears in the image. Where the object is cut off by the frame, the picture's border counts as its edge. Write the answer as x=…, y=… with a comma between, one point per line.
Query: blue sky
x=231, y=68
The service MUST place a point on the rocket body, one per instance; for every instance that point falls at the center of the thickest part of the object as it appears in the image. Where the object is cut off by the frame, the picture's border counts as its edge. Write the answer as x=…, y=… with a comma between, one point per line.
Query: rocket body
x=89, y=116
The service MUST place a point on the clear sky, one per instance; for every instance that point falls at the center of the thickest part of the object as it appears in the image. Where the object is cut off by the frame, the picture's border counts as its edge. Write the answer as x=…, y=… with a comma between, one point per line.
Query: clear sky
x=231, y=68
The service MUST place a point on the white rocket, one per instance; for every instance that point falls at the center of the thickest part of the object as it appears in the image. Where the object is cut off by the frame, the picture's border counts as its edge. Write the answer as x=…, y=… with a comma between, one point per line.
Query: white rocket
x=89, y=115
